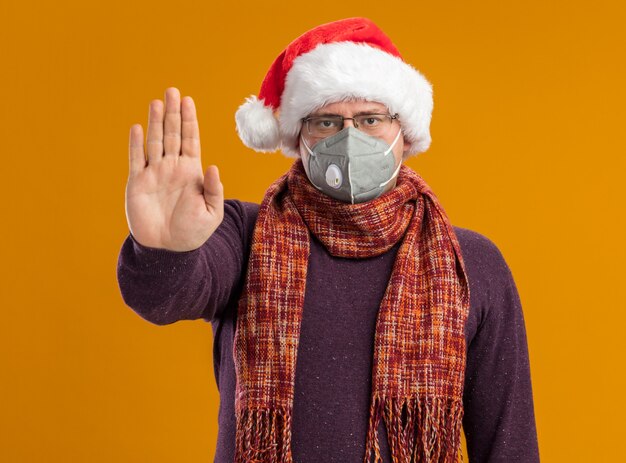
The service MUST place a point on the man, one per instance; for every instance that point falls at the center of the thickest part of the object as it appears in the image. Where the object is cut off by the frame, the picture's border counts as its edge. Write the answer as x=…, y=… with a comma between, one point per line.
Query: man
x=348, y=273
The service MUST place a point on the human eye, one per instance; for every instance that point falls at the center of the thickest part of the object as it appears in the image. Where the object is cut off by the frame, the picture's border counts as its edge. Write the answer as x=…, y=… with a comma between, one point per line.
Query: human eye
x=325, y=123
x=370, y=120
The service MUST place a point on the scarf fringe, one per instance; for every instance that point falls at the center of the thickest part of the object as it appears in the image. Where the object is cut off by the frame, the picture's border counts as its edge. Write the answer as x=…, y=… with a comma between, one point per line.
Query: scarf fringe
x=263, y=435
x=419, y=430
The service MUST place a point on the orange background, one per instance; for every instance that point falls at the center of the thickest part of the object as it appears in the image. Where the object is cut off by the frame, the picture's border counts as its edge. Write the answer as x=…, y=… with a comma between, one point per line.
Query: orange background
x=527, y=149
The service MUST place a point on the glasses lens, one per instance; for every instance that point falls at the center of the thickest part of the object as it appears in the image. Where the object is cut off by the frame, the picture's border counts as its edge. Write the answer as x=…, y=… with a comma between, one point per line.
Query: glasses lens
x=374, y=124
x=324, y=126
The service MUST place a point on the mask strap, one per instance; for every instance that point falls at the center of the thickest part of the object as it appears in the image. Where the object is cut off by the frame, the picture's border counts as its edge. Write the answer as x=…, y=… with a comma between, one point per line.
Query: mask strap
x=306, y=146
x=312, y=154
x=394, y=142
x=393, y=175
x=399, y=164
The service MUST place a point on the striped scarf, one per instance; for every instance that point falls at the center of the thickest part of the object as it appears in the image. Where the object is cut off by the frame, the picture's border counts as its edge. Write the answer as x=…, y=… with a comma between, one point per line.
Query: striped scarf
x=419, y=345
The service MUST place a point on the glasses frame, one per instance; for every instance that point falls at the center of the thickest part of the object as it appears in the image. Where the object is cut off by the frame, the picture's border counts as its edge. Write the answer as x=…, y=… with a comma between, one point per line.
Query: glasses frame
x=306, y=120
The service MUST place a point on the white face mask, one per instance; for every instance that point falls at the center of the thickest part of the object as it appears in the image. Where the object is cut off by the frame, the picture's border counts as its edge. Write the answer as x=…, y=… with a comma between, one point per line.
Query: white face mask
x=351, y=166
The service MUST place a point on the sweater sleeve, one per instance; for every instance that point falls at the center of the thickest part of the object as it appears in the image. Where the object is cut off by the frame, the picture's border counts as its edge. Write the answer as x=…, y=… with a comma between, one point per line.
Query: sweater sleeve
x=499, y=421
x=164, y=286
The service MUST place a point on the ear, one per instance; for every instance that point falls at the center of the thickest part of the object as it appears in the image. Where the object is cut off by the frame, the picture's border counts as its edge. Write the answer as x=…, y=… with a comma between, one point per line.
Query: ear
x=406, y=146
x=297, y=149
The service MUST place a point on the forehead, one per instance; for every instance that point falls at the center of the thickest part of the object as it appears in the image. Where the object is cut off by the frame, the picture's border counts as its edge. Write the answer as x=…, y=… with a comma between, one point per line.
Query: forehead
x=347, y=108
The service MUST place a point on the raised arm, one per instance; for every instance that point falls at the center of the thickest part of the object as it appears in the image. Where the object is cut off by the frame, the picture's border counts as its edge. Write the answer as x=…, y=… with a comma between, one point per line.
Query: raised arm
x=173, y=265
x=499, y=420
x=164, y=286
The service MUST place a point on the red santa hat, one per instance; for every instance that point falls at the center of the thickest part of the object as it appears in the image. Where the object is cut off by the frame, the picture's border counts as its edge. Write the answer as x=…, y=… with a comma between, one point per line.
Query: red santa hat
x=345, y=59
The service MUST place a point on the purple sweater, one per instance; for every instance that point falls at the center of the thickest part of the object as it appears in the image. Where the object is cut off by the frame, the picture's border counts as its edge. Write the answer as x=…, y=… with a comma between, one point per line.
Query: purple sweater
x=334, y=361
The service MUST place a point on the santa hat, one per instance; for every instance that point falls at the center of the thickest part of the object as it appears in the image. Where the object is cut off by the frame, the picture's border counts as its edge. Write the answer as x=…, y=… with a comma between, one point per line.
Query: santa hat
x=350, y=58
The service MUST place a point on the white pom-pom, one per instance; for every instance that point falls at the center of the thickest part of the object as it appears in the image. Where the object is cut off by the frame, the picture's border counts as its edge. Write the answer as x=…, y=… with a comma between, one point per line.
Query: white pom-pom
x=256, y=125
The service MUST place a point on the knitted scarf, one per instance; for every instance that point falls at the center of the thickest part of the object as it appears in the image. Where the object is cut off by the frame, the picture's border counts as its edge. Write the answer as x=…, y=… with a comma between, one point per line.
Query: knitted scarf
x=419, y=344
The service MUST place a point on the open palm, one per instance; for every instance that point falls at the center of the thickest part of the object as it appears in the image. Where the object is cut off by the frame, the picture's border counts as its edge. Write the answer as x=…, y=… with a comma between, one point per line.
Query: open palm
x=170, y=202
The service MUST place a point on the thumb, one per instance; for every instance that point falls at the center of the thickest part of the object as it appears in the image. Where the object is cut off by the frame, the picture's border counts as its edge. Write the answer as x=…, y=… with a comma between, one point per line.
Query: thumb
x=213, y=188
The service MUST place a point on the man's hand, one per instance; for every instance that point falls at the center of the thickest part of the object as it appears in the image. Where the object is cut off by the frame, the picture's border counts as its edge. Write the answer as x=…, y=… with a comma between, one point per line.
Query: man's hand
x=170, y=202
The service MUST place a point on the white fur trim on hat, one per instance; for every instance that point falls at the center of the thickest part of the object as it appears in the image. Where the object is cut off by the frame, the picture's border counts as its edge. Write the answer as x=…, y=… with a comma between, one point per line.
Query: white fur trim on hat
x=257, y=126
x=338, y=71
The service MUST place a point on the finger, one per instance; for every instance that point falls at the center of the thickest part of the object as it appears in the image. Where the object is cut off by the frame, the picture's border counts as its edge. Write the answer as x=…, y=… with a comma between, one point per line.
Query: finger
x=213, y=190
x=171, y=126
x=191, y=133
x=155, y=132
x=136, y=154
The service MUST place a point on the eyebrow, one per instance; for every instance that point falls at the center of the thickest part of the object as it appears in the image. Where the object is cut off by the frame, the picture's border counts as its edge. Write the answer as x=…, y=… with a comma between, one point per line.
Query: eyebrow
x=360, y=113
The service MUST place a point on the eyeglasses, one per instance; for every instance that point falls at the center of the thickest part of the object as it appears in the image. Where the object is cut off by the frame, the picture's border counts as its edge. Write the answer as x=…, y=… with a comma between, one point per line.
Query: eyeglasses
x=377, y=125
